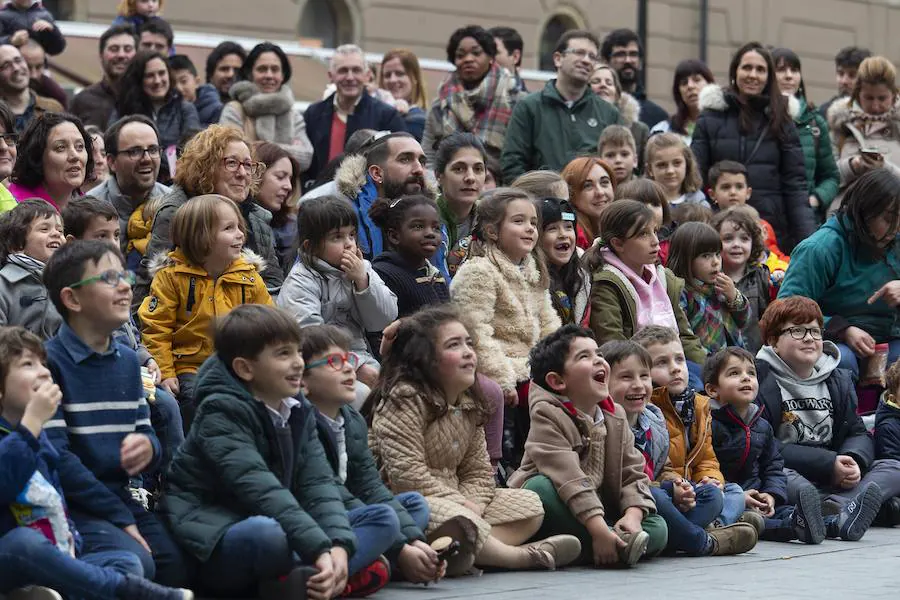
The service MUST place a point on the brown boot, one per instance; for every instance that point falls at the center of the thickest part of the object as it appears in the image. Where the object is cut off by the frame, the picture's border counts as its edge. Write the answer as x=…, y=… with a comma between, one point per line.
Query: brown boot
x=733, y=539
x=754, y=518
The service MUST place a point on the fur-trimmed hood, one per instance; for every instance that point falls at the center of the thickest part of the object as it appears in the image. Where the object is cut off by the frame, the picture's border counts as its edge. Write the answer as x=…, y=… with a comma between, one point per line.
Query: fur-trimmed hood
x=714, y=97
x=174, y=257
x=352, y=175
x=844, y=110
x=629, y=108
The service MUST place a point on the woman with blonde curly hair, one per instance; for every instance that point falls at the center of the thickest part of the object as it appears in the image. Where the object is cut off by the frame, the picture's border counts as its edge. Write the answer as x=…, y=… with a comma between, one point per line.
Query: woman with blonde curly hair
x=216, y=161
x=401, y=75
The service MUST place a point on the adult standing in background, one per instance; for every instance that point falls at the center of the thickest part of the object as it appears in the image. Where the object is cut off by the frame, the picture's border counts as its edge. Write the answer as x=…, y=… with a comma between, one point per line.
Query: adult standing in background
x=510, y=48
x=15, y=90
x=605, y=83
x=41, y=82
x=95, y=103
x=331, y=122
x=263, y=106
x=691, y=76
x=401, y=75
x=222, y=66
x=749, y=123
x=621, y=50
x=478, y=97
x=846, y=65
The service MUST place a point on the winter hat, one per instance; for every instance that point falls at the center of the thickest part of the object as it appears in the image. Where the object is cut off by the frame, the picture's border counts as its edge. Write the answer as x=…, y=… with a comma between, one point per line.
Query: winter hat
x=554, y=210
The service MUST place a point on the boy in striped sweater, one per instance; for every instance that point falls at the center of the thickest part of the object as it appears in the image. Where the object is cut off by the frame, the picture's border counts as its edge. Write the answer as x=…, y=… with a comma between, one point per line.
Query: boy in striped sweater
x=102, y=427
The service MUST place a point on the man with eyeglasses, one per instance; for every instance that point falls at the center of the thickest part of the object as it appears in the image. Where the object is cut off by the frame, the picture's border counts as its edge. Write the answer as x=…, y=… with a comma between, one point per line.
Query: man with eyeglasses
x=95, y=103
x=564, y=120
x=622, y=51
x=15, y=89
x=133, y=157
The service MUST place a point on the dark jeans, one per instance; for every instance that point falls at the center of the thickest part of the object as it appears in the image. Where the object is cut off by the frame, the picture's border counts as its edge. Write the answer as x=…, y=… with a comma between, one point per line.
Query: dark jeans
x=165, y=416
x=779, y=527
x=29, y=558
x=165, y=566
x=684, y=534
x=884, y=472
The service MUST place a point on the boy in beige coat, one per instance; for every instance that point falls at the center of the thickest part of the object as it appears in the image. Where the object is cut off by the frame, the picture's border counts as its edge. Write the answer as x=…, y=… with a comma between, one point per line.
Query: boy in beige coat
x=580, y=456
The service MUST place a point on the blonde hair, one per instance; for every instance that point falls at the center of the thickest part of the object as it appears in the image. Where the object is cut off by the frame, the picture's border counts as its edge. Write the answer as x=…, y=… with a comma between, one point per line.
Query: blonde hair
x=413, y=70
x=542, y=184
x=198, y=167
x=663, y=141
x=194, y=227
x=873, y=71
x=128, y=8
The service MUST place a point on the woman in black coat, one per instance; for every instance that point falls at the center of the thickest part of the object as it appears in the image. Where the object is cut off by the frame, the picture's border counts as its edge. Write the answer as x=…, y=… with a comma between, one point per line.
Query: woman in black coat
x=749, y=122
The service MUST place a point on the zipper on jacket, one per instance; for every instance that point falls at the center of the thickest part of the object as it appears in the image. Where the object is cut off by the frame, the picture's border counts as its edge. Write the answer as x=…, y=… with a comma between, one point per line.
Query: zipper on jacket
x=746, y=429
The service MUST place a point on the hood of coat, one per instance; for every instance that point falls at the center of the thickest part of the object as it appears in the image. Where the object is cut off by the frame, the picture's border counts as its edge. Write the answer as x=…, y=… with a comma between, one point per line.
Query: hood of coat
x=538, y=394
x=353, y=174
x=844, y=110
x=720, y=412
x=629, y=108
x=888, y=408
x=176, y=257
x=714, y=97
x=825, y=366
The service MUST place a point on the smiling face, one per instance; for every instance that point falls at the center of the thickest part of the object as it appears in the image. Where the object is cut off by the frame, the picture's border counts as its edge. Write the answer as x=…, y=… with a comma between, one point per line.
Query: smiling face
x=752, y=74
x=419, y=235
x=576, y=63
x=14, y=77
x=800, y=355
x=669, y=168
x=517, y=233
x=472, y=62
x=229, y=239
x=135, y=176
x=8, y=154
x=558, y=242
x=277, y=185
x=349, y=75
x=603, y=84
x=234, y=184
x=397, y=80
x=595, y=195
x=109, y=306
x=463, y=180
x=267, y=73
x=736, y=246
x=44, y=237
x=456, y=359
x=277, y=373
x=26, y=372
x=585, y=376
x=225, y=72
x=329, y=386
x=101, y=170
x=65, y=158
x=117, y=55
x=186, y=83
x=668, y=366
x=156, y=80
x=630, y=385
x=736, y=383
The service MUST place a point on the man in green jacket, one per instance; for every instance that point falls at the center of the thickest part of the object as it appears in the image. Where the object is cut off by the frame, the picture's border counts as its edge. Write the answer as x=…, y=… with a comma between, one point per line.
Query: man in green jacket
x=564, y=120
x=251, y=493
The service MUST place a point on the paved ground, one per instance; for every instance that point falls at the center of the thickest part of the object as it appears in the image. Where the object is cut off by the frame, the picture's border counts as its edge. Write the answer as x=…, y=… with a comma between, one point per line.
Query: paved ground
x=832, y=570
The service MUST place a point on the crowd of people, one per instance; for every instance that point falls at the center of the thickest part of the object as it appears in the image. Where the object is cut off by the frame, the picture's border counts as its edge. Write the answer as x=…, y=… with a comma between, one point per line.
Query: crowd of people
x=250, y=350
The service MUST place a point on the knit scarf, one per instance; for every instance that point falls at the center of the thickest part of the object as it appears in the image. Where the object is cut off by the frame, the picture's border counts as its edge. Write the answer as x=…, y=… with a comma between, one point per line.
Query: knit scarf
x=652, y=303
x=684, y=406
x=272, y=113
x=32, y=265
x=484, y=111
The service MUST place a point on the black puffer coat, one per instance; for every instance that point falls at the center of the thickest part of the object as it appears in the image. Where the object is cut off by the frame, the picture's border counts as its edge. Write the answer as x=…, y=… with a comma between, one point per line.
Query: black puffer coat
x=775, y=168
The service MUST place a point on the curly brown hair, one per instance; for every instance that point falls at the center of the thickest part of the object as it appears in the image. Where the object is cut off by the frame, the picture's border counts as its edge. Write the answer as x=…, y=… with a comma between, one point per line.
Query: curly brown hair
x=198, y=166
x=743, y=219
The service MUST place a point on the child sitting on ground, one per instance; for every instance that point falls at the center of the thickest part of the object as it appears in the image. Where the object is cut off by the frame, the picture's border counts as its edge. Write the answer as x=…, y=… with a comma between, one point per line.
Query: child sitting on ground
x=685, y=511
x=671, y=163
x=691, y=455
x=811, y=405
x=616, y=146
x=328, y=377
x=749, y=454
x=39, y=545
x=580, y=456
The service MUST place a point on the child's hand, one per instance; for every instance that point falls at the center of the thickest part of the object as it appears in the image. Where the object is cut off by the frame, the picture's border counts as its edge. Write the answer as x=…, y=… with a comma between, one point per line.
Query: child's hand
x=769, y=509
x=762, y=502
x=510, y=397
x=43, y=402
x=19, y=38
x=419, y=563
x=321, y=585
x=631, y=520
x=713, y=481
x=355, y=269
x=41, y=25
x=170, y=385
x=605, y=544
x=860, y=342
x=153, y=367
x=136, y=453
x=683, y=495
x=725, y=286
x=339, y=559
x=846, y=472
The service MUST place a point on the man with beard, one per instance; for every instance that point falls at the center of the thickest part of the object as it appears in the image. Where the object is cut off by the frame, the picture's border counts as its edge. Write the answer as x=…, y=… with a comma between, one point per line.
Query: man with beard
x=846, y=65
x=551, y=127
x=389, y=165
x=331, y=122
x=622, y=51
x=95, y=103
x=222, y=66
x=15, y=90
x=133, y=156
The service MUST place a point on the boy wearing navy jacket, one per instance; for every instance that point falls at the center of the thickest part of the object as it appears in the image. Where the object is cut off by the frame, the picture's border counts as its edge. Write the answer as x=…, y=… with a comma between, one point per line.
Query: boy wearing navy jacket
x=102, y=428
x=749, y=454
x=39, y=545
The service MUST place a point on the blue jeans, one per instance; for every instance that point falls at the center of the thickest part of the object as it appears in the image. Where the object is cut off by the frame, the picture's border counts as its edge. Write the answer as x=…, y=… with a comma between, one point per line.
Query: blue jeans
x=850, y=361
x=710, y=503
x=166, y=566
x=257, y=549
x=695, y=376
x=165, y=416
x=734, y=504
x=684, y=536
x=28, y=558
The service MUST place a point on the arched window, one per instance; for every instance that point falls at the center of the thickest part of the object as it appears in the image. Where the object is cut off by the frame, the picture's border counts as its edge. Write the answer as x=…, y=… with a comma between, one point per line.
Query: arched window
x=557, y=25
x=327, y=20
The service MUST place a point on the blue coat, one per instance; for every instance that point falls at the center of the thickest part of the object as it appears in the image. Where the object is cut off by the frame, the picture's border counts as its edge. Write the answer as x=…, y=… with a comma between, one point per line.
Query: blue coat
x=13, y=19
x=369, y=114
x=208, y=104
x=887, y=431
x=748, y=453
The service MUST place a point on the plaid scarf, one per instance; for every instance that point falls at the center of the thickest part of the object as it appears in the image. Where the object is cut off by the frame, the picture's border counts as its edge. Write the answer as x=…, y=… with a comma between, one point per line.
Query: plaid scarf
x=716, y=324
x=484, y=111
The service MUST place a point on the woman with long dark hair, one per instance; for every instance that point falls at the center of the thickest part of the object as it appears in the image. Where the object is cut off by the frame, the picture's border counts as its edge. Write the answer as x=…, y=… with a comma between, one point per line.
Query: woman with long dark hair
x=691, y=76
x=748, y=122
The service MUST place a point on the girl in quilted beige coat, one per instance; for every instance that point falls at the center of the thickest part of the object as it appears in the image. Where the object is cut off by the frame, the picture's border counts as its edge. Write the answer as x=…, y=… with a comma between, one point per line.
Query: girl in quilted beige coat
x=427, y=435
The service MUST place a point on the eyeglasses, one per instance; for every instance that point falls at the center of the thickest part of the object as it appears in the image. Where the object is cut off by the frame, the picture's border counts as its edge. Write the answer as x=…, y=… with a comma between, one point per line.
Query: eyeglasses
x=799, y=333
x=111, y=277
x=137, y=152
x=336, y=361
x=581, y=54
x=11, y=139
x=620, y=54
x=253, y=168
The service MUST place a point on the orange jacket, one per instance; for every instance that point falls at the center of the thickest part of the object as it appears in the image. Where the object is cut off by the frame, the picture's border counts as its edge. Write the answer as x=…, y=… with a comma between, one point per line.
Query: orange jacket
x=701, y=461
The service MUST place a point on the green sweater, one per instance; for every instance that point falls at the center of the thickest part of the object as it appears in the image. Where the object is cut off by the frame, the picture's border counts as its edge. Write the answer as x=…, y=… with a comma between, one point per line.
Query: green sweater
x=230, y=468
x=822, y=173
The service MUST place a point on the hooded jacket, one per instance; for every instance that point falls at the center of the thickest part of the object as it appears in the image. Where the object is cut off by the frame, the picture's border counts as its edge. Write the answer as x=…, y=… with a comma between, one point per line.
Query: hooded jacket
x=414, y=288
x=828, y=268
x=887, y=428
x=748, y=453
x=701, y=460
x=594, y=467
x=652, y=418
x=13, y=19
x=544, y=133
x=321, y=294
x=848, y=433
x=184, y=300
x=822, y=174
x=24, y=301
x=775, y=167
x=234, y=431
x=208, y=104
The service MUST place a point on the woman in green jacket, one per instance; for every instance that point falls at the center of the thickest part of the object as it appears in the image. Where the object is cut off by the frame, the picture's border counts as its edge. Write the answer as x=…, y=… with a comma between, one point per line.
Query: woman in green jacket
x=821, y=169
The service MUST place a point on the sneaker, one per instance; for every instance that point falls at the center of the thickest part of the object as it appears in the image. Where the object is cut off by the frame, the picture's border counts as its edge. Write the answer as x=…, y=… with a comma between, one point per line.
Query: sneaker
x=889, y=514
x=754, y=518
x=138, y=588
x=856, y=516
x=807, y=521
x=292, y=585
x=34, y=592
x=733, y=539
x=463, y=531
x=635, y=547
x=555, y=551
x=367, y=581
